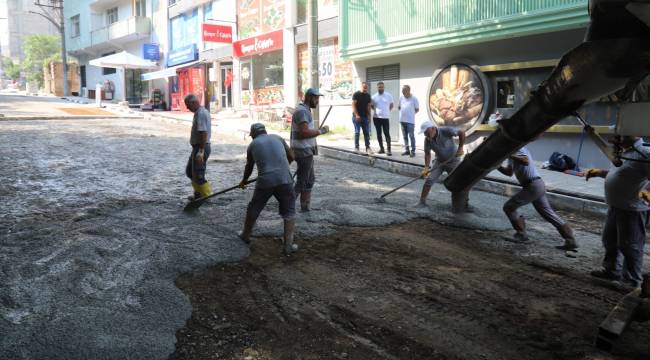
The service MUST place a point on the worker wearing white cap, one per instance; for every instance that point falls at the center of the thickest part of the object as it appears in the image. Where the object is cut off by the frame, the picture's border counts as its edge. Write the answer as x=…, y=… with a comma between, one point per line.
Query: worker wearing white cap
x=448, y=156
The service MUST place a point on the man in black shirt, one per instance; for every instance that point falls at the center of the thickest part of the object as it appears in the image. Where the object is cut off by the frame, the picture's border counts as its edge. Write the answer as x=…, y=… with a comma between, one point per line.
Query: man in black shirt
x=361, y=102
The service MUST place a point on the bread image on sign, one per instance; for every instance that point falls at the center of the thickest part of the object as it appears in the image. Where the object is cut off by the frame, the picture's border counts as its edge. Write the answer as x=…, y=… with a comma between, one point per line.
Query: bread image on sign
x=456, y=97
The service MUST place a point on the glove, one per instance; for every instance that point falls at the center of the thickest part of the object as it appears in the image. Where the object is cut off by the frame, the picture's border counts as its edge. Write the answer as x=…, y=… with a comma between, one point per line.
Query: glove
x=460, y=152
x=425, y=172
x=242, y=184
x=324, y=130
x=645, y=195
x=592, y=173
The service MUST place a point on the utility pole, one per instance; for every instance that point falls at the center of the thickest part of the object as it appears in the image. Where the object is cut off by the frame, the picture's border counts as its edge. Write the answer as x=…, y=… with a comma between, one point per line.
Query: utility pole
x=53, y=12
x=312, y=43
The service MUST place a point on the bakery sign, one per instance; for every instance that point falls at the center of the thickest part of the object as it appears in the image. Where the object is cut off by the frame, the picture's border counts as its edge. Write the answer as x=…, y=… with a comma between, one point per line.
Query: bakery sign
x=458, y=96
x=258, y=44
x=217, y=33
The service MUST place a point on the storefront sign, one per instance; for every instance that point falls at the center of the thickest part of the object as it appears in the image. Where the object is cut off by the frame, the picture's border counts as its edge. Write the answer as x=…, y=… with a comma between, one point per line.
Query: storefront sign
x=151, y=52
x=183, y=55
x=458, y=97
x=217, y=33
x=258, y=44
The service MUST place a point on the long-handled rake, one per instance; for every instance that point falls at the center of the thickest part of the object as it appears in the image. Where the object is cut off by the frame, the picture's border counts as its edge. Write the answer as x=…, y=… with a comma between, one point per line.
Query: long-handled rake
x=382, y=199
x=195, y=204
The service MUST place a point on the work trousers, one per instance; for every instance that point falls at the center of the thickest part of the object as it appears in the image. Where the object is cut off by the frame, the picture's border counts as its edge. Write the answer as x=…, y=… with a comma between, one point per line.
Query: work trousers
x=459, y=200
x=535, y=193
x=305, y=177
x=624, y=240
x=285, y=196
x=382, y=125
x=195, y=170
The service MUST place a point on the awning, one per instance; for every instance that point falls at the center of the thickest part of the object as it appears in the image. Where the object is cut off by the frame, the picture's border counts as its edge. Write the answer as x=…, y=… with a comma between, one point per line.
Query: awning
x=222, y=52
x=165, y=73
x=123, y=60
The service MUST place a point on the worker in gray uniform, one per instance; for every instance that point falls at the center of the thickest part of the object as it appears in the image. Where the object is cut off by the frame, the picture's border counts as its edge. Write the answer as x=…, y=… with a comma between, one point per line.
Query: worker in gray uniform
x=624, y=231
x=272, y=156
x=533, y=190
x=303, y=144
x=440, y=140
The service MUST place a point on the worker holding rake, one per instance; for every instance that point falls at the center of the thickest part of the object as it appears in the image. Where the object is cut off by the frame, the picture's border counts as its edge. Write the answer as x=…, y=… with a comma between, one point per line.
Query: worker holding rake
x=200, y=141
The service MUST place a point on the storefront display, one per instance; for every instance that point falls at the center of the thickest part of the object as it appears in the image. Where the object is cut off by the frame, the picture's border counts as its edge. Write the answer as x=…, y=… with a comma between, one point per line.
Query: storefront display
x=335, y=73
x=458, y=96
x=259, y=16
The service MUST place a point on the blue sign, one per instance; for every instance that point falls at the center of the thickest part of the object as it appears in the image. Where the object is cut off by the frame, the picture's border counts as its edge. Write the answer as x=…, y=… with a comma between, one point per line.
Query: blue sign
x=151, y=52
x=183, y=55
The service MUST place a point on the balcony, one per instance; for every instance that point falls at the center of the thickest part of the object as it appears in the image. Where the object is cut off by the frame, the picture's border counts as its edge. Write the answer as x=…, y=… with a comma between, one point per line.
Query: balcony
x=124, y=31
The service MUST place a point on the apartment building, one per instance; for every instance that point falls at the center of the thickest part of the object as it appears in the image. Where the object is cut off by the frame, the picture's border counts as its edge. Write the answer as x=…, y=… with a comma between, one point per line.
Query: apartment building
x=17, y=22
x=98, y=28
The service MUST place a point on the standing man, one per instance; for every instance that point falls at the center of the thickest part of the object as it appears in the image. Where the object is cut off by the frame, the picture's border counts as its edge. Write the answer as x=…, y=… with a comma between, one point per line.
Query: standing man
x=382, y=102
x=533, y=191
x=361, y=108
x=408, y=107
x=272, y=156
x=624, y=232
x=303, y=144
x=441, y=141
x=200, y=141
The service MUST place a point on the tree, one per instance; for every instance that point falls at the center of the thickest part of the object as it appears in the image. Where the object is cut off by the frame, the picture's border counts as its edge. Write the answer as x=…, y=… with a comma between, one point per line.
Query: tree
x=10, y=69
x=40, y=50
x=52, y=10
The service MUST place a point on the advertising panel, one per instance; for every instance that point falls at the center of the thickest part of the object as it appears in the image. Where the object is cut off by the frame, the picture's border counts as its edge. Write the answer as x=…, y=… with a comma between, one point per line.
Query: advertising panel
x=151, y=52
x=458, y=96
x=335, y=73
x=258, y=44
x=259, y=16
x=217, y=33
x=182, y=55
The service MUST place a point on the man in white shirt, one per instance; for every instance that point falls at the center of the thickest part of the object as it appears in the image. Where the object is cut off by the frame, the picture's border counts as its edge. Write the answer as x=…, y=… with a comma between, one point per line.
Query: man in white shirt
x=408, y=107
x=382, y=102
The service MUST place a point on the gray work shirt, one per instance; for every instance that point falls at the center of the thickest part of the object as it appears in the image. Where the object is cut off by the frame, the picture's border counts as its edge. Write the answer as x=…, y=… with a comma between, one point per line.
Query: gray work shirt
x=623, y=184
x=524, y=173
x=302, y=147
x=442, y=144
x=201, y=122
x=269, y=152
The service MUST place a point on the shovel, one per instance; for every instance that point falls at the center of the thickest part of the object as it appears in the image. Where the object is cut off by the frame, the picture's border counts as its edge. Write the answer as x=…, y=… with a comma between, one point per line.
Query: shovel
x=382, y=199
x=195, y=204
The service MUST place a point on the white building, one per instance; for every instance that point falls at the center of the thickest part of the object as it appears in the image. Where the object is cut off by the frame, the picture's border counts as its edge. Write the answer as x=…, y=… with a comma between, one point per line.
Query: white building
x=17, y=22
x=96, y=28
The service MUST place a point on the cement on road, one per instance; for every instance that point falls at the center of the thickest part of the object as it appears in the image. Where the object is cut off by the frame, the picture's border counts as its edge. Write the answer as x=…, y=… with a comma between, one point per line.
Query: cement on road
x=92, y=232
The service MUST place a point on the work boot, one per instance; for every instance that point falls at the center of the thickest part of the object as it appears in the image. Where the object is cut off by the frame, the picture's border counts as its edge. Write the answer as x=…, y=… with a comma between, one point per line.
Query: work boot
x=289, y=246
x=305, y=201
x=406, y=152
x=245, y=235
x=412, y=153
x=570, y=243
x=604, y=274
x=388, y=152
x=381, y=150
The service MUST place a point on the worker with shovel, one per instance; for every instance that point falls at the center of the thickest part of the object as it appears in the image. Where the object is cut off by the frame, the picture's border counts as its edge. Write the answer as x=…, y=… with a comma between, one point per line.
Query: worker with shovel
x=303, y=144
x=532, y=191
x=448, y=156
x=272, y=156
x=200, y=141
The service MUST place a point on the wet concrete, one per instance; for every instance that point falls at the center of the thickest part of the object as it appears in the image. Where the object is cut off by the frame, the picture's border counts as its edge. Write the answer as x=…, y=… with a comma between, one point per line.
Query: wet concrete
x=92, y=232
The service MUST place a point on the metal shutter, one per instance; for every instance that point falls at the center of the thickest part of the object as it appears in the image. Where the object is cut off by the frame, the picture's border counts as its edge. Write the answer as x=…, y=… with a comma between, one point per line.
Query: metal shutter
x=382, y=73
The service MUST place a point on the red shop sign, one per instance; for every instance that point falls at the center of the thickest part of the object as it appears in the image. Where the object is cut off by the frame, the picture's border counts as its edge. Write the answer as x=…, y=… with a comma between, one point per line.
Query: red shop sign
x=217, y=33
x=258, y=44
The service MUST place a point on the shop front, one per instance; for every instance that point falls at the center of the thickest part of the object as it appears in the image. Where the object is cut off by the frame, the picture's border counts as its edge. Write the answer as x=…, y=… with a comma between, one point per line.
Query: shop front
x=218, y=58
x=261, y=70
x=190, y=77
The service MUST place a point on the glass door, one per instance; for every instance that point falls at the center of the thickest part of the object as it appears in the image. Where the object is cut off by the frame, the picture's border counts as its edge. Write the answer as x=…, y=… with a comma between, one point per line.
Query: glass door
x=226, y=86
x=136, y=89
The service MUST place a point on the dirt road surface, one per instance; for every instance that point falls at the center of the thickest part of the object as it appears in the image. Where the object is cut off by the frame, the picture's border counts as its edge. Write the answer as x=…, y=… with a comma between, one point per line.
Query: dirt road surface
x=93, y=241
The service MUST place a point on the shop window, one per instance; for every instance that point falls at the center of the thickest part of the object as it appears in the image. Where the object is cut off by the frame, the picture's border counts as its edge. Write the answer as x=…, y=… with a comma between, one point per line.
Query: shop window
x=111, y=16
x=108, y=71
x=267, y=70
x=505, y=94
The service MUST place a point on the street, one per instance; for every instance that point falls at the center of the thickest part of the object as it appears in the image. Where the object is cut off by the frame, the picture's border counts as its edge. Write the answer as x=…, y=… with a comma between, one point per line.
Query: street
x=98, y=261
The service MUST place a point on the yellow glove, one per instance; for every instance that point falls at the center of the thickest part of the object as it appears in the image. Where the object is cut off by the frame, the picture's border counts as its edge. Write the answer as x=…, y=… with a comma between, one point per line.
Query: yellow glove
x=592, y=173
x=242, y=184
x=645, y=195
x=425, y=172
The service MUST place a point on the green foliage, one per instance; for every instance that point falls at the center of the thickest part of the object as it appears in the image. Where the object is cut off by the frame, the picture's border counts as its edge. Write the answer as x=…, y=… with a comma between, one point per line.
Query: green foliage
x=39, y=51
x=10, y=69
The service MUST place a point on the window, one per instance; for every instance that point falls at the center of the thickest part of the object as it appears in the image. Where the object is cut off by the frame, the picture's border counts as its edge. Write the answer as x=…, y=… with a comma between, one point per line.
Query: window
x=207, y=11
x=75, y=31
x=268, y=70
x=140, y=8
x=505, y=94
x=108, y=71
x=172, y=2
x=111, y=16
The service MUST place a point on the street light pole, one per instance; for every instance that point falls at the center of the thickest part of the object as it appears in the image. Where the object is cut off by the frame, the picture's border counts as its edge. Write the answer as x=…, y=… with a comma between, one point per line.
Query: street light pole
x=312, y=43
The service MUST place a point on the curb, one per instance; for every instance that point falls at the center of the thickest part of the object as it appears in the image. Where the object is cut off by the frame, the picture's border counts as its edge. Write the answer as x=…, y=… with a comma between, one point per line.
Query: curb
x=66, y=117
x=488, y=184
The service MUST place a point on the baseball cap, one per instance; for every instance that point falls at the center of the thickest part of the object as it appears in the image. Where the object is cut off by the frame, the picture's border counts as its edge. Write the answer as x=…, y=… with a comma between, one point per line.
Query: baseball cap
x=313, y=92
x=426, y=125
x=256, y=128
